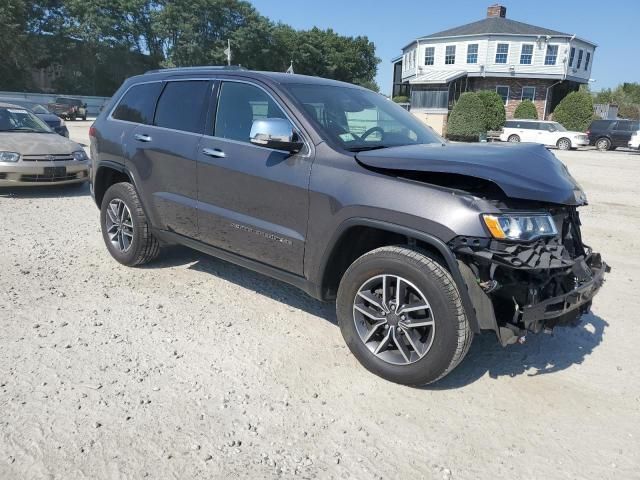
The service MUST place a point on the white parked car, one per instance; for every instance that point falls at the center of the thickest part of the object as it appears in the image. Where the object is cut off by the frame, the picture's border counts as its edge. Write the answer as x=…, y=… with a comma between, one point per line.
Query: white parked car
x=635, y=141
x=547, y=133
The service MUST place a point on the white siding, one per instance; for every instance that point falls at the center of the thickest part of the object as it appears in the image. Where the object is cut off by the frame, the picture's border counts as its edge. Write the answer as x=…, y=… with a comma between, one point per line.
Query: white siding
x=487, y=46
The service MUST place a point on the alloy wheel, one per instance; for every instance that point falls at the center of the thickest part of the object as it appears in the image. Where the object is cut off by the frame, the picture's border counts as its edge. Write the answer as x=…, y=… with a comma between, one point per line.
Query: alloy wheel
x=119, y=225
x=394, y=319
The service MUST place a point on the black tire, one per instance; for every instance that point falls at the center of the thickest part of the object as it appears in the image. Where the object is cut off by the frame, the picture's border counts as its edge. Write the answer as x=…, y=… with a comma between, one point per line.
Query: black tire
x=452, y=336
x=564, y=144
x=603, y=144
x=514, y=139
x=144, y=247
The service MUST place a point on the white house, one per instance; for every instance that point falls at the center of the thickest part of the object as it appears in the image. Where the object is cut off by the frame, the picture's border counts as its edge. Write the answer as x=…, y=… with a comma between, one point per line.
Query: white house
x=517, y=60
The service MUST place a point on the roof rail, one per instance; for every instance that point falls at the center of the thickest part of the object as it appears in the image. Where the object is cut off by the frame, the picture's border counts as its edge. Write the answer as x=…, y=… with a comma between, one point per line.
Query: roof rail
x=201, y=67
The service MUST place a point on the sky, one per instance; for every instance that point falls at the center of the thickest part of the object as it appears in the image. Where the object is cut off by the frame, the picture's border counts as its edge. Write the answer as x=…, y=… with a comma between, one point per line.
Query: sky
x=614, y=26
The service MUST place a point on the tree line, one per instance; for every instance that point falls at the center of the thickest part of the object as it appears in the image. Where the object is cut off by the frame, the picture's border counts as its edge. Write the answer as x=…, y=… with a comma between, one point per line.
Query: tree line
x=93, y=45
x=626, y=96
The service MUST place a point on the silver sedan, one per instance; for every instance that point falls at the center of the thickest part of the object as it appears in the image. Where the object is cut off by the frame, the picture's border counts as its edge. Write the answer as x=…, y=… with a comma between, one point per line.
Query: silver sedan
x=33, y=154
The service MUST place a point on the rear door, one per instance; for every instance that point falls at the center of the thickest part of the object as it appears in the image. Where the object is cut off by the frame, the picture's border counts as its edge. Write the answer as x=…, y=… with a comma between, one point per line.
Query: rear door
x=528, y=132
x=252, y=200
x=164, y=158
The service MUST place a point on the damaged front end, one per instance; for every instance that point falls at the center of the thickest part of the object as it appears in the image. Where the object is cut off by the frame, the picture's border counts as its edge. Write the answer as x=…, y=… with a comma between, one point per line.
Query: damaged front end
x=518, y=287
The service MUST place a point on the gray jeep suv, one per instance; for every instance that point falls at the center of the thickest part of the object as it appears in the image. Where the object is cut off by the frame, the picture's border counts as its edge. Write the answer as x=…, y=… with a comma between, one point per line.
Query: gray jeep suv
x=337, y=190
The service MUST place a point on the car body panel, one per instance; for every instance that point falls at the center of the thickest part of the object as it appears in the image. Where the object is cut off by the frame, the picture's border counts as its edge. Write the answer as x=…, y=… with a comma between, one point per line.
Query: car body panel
x=523, y=171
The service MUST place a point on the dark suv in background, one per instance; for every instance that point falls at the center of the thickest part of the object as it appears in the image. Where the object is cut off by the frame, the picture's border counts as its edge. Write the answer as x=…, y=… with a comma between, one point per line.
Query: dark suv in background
x=339, y=191
x=611, y=134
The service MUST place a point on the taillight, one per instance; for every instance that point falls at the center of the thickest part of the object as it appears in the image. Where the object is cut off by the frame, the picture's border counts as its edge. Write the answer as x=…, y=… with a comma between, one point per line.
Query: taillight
x=92, y=131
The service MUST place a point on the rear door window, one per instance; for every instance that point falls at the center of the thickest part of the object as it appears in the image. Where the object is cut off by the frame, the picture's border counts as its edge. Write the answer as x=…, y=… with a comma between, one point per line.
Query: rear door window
x=182, y=105
x=138, y=104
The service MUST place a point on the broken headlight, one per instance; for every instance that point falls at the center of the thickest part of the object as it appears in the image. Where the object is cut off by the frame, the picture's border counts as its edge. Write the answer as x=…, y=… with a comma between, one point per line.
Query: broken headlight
x=520, y=226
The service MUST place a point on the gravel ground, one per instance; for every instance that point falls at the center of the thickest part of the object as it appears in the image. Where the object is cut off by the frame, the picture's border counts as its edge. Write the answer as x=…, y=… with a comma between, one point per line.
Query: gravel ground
x=195, y=368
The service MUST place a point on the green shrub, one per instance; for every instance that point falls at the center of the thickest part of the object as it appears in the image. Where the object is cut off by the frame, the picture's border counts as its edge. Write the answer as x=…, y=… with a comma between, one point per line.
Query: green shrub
x=494, y=115
x=526, y=110
x=401, y=99
x=466, y=121
x=575, y=111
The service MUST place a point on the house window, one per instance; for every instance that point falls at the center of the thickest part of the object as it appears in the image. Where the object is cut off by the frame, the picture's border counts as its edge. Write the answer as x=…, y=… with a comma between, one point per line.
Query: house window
x=529, y=93
x=502, y=52
x=503, y=91
x=429, y=55
x=580, y=53
x=552, y=55
x=472, y=53
x=450, y=55
x=526, y=54
x=571, y=56
x=586, y=61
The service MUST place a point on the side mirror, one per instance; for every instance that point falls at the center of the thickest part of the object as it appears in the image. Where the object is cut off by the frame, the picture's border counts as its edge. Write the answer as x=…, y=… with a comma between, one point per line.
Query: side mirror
x=276, y=133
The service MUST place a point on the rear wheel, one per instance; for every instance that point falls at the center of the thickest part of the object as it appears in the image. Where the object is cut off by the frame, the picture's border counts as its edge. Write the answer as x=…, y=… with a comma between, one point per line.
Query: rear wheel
x=125, y=228
x=402, y=317
x=603, y=144
x=514, y=139
x=564, y=144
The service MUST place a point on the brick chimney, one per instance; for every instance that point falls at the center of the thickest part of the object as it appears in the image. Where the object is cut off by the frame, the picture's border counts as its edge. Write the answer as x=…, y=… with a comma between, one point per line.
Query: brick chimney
x=496, y=10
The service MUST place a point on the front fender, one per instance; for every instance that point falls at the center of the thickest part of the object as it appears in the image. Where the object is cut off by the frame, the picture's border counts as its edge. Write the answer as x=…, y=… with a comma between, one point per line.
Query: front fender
x=431, y=240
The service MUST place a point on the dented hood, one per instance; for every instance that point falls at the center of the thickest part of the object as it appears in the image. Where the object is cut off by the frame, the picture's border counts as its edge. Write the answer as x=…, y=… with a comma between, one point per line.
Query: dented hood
x=524, y=171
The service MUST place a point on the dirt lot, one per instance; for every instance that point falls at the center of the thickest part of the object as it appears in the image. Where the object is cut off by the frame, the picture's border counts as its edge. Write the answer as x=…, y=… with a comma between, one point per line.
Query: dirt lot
x=195, y=368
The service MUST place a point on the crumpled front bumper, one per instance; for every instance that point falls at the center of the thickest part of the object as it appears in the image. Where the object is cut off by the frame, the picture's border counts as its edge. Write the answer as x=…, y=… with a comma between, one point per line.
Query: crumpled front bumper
x=548, y=312
x=528, y=303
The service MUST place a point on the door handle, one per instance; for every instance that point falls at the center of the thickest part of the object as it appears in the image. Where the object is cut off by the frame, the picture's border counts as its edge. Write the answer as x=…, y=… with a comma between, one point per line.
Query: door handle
x=142, y=137
x=214, y=152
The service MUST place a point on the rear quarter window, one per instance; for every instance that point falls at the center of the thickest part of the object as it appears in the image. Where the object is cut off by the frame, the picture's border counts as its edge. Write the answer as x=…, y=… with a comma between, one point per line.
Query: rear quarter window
x=138, y=104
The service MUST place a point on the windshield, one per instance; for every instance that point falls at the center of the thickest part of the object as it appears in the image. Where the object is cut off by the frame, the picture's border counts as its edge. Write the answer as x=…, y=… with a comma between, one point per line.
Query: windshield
x=21, y=120
x=40, y=109
x=360, y=119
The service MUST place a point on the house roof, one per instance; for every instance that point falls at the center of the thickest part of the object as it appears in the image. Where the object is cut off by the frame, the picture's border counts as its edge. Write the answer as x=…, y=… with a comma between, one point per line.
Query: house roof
x=438, y=76
x=497, y=25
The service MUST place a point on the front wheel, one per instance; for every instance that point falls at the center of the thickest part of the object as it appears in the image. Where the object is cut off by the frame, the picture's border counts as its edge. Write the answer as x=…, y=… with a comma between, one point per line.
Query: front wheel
x=125, y=228
x=564, y=144
x=401, y=315
x=514, y=139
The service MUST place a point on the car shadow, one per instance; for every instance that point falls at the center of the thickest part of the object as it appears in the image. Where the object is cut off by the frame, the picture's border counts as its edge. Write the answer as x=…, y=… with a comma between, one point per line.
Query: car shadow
x=46, y=191
x=261, y=284
x=540, y=355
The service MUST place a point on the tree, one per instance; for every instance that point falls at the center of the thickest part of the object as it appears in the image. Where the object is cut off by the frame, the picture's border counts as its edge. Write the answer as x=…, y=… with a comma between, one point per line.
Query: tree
x=467, y=119
x=14, y=46
x=493, y=114
x=101, y=42
x=575, y=111
x=526, y=110
x=401, y=99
